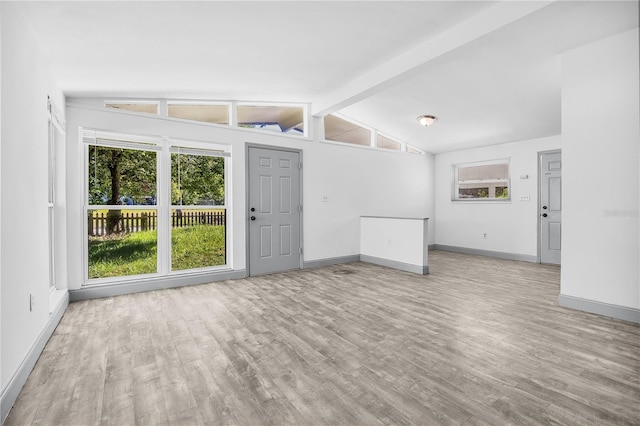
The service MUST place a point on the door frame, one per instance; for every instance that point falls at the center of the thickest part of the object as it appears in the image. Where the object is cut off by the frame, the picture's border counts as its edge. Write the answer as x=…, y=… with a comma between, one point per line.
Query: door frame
x=539, y=206
x=248, y=146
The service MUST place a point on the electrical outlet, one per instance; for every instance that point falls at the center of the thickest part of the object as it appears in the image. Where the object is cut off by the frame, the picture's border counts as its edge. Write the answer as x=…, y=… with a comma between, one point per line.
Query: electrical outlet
x=484, y=235
x=325, y=198
x=32, y=302
x=525, y=197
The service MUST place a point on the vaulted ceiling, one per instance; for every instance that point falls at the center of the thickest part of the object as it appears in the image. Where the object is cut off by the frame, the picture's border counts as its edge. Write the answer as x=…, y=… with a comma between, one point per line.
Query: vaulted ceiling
x=490, y=71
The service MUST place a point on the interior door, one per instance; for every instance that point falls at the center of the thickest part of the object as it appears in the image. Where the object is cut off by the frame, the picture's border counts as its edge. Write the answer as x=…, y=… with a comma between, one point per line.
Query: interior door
x=550, y=207
x=274, y=210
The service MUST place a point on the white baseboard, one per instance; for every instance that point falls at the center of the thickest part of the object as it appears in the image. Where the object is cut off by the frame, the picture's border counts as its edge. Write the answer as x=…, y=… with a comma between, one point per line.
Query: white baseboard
x=600, y=308
x=488, y=253
x=138, y=286
x=408, y=267
x=12, y=390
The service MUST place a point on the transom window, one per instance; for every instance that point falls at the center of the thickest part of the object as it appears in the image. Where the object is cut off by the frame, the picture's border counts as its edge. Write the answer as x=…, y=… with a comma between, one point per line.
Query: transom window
x=388, y=143
x=205, y=112
x=287, y=119
x=150, y=107
x=338, y=128
x=274, y=118
x=488, y=180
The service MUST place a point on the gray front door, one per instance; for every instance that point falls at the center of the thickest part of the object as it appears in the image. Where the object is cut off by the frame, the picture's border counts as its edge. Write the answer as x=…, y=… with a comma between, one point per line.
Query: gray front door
x=550, y=207
x=274, y=210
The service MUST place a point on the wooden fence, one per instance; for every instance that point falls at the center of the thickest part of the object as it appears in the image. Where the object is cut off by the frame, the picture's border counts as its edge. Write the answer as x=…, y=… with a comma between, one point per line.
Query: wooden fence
x=148, y=221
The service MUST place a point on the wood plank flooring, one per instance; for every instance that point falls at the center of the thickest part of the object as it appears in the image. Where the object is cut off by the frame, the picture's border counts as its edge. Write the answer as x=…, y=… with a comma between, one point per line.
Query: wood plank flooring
x=479, y=341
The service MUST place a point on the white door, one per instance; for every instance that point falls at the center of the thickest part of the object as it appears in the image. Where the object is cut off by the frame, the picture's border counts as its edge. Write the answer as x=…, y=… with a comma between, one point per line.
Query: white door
x=274, y=210
x=550, y=207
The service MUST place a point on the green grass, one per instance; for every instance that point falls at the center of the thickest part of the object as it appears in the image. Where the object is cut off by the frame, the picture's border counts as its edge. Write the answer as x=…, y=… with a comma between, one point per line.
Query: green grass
x=197, y=247
x=133, y=254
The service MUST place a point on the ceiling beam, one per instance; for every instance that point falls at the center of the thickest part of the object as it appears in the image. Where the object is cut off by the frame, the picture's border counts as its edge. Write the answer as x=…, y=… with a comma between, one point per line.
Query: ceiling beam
x=387, y=74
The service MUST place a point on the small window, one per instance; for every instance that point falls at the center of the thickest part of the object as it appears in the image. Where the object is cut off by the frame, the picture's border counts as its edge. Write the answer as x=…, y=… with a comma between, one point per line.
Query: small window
x=145, y=107
x=413, y=150
x=488, y=180
x=207, y=113
x=340, y=130
x=386, y=143
x=273, y=118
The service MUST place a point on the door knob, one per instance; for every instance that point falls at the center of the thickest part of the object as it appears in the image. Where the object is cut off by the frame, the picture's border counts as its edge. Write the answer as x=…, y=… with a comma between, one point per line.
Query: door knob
x=544, y=207
x=544, y=215
x=253, y=209
x=253, y=218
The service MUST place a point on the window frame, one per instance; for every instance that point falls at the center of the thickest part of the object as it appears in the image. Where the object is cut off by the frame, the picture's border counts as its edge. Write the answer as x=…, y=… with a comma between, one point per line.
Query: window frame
x=162, y=146
x=229, y=106
x=56, y=125
x=371, y=130
x=305, y=116
x=402, y=148
x=157, y=103
x=375, y=133
x=455, y=183
x=197, y=148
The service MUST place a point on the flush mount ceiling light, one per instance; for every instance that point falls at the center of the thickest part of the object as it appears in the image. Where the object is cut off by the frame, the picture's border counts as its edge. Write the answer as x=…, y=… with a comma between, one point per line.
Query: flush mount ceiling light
x=426, y=120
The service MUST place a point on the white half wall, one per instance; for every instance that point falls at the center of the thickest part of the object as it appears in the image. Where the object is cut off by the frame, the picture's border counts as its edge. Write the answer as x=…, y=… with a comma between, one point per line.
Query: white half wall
x=601, y=148
x=396, y=242
x=511, y=227
x=355, y=182
x=26, y=81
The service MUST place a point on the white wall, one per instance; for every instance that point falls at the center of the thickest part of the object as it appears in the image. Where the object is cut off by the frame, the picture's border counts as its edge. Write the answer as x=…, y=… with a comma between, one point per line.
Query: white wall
x=511, y=227
x=25, y=83
x=357, y=181
x=600, y=141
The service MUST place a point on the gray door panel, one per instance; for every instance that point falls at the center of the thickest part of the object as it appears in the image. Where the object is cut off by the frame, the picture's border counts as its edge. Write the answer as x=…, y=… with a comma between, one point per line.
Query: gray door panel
x=550, y=207
x=274, y=224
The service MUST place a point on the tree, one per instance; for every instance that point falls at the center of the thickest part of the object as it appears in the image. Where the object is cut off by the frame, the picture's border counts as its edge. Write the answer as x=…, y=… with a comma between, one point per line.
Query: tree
x=197, y=180
x=121, y=176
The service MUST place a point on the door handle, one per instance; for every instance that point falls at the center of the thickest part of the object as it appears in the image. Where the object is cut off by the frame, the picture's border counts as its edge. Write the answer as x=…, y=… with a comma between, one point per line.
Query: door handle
x=253, y=218
x=544, y=215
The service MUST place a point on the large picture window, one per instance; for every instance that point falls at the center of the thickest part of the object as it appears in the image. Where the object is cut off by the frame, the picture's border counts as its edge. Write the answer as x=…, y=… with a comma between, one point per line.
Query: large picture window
x=145, y=218
x=485, y=181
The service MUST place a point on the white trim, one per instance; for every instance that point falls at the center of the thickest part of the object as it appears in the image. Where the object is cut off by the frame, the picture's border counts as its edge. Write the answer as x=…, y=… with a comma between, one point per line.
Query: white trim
x=371, y=148
x=17, y=381
x=175, y=149
x=155, y=283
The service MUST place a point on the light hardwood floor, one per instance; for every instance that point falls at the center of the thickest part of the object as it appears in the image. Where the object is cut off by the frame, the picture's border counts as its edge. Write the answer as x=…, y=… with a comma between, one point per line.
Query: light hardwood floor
x=479, y=341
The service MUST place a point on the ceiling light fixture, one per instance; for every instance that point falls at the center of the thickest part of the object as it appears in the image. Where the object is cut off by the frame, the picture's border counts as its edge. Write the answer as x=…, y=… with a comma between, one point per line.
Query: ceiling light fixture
x=426, y=120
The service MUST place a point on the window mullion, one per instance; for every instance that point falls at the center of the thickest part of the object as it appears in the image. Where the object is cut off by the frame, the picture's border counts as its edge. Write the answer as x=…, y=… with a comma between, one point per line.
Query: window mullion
x=164, y=209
